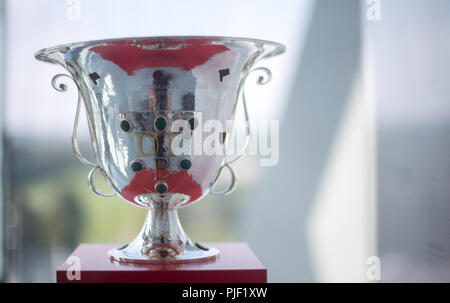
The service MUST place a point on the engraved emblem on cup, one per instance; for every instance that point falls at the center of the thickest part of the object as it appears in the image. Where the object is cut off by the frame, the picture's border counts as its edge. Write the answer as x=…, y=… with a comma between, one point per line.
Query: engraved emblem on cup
x=146, y=141
x=134, y=91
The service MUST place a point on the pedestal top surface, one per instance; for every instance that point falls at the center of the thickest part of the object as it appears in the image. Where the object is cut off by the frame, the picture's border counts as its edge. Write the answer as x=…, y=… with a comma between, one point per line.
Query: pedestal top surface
x=95, y=266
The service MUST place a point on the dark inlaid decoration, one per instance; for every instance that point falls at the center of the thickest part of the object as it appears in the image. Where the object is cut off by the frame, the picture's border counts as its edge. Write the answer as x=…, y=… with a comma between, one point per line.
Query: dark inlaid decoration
x=137, y=166
x=94, y=77
x=160, y=85
x=223, y=73
x=161, y=150
x=161, y=188
x=157, y=75
x=188, y=102
x=125, y=126
x=163, y=253
x=185, y=164
x=144, y=120
x=222, y=137
x=160, y=123
x=193, y=123
x=201, y=246
x=161, y=163
x=162, y=239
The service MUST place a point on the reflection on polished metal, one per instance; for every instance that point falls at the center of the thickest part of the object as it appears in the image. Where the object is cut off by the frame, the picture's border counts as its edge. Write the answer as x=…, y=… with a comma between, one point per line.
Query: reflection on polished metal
x=135, y=90
x=162, y=238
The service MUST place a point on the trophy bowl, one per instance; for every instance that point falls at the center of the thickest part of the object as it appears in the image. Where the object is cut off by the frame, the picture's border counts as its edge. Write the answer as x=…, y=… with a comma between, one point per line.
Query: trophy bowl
x=148, y=102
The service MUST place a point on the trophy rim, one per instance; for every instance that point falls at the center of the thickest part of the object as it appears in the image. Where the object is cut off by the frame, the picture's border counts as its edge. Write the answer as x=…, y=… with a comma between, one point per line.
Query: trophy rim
x=278, y=48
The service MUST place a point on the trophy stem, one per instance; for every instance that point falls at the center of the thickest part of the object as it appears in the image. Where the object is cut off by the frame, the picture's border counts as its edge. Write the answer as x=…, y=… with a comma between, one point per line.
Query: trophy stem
x=162, y=239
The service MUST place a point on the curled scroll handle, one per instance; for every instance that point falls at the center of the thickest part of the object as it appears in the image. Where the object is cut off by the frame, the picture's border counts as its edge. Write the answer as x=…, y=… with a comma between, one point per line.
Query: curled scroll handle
x=263, y=79
x=62, y=88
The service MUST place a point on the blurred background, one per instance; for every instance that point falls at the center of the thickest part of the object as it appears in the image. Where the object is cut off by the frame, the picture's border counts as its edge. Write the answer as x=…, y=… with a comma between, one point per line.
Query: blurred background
x=362, y=96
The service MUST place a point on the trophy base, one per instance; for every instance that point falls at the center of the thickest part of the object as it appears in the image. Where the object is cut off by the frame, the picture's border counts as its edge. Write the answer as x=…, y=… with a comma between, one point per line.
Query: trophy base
x=162, y=240
x=131, y=254
x=88, y=263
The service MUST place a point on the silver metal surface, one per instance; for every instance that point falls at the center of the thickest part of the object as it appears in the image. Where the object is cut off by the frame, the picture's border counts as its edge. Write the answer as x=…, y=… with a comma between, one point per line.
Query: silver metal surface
x=135, y=92
x=162, y=238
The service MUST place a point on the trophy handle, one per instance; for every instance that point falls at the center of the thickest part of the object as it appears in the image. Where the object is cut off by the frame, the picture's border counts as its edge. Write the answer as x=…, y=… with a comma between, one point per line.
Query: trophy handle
x=62, y=88
x=92, y=186
x=232, y=185
x=262, y=80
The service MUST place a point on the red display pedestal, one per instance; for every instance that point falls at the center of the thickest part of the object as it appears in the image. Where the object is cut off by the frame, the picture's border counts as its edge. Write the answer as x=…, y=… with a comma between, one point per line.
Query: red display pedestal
x=236, y=263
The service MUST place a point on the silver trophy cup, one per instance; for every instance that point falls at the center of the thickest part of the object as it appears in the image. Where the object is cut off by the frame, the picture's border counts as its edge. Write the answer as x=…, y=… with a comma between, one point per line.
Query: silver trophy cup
x=146, y=99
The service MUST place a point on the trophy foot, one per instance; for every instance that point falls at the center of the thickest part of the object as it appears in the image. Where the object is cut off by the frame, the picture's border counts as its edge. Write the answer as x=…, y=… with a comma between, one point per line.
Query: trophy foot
x=131, y=254
x=162, y=240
